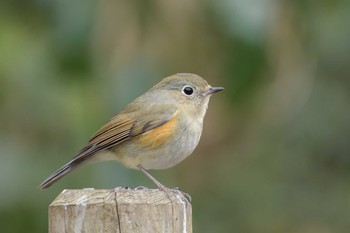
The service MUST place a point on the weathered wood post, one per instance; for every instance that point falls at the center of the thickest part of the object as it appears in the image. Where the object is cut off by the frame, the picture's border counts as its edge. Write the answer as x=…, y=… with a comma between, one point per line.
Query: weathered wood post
x=120, y=211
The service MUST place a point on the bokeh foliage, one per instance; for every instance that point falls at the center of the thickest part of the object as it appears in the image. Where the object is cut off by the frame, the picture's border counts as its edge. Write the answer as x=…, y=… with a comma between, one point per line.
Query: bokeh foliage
x=274, y=155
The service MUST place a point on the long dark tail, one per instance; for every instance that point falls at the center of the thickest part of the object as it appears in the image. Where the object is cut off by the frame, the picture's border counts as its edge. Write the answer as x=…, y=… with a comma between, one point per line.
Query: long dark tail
x=81, y=158
x=57, y=175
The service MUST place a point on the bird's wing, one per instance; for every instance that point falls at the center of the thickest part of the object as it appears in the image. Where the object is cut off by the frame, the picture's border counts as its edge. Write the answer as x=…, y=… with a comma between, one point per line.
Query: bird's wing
x=121, y=128
x=124, y=127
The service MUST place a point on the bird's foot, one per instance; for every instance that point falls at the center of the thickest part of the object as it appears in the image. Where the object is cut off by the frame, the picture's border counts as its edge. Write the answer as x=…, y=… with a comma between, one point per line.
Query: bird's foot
x=141, y=188
x=184, y=196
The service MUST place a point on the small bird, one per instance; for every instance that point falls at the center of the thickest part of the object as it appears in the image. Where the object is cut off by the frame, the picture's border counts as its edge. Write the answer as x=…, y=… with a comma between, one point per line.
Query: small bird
x=157, y=130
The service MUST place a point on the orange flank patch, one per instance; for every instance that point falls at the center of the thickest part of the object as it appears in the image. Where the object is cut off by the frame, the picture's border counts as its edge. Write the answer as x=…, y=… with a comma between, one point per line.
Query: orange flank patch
x=160, y=135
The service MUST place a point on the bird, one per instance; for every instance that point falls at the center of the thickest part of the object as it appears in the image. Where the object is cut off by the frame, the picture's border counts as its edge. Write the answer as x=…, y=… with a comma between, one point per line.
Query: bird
x=157, y=130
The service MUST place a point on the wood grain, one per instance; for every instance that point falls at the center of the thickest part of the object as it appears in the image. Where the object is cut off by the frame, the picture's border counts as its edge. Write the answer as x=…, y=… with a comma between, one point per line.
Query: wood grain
x=120, y=211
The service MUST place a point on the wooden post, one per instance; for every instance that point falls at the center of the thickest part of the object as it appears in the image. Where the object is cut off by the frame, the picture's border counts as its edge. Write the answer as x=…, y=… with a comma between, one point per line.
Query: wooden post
x=120, y=211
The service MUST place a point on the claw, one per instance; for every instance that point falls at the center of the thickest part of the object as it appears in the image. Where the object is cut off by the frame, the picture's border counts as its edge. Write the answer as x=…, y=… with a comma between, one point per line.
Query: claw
x=184, y=196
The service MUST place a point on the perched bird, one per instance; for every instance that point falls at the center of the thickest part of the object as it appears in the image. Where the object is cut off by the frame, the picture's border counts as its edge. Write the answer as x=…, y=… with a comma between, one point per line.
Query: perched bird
x=157, y=130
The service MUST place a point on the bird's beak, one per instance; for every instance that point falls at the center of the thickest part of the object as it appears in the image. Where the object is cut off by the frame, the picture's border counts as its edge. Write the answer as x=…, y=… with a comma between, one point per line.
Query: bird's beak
x=212, y=90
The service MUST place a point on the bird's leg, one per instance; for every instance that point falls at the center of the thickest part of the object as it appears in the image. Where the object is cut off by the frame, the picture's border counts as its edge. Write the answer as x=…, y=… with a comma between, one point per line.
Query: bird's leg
x=161, y=187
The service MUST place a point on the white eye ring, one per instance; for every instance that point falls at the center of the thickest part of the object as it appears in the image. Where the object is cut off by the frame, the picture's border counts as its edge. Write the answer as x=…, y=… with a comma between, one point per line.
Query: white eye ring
x=188, y=90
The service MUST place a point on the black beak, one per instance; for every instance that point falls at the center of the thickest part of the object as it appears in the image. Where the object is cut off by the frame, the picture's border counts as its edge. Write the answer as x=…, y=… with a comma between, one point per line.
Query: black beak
x=212, y=90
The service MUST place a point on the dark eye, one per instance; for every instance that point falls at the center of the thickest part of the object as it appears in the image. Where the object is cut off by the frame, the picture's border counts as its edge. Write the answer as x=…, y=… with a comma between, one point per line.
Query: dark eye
x=187, y=90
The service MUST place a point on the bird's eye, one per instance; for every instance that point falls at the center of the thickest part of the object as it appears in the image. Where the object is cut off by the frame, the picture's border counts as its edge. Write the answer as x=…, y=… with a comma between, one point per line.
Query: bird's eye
x=187, y=90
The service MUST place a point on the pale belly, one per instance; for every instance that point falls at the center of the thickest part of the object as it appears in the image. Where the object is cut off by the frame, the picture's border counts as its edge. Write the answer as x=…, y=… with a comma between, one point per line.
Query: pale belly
x=176, y=149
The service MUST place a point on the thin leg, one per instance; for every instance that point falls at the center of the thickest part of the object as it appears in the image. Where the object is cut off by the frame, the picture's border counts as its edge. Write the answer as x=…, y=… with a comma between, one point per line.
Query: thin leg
x=159, y=185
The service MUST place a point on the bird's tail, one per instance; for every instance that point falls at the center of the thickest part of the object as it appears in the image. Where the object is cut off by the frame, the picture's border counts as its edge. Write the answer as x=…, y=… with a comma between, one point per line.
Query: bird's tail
x=57, y=175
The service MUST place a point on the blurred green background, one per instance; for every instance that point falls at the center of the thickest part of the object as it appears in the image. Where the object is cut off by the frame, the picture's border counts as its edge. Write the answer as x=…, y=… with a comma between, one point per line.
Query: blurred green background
x=274, y=155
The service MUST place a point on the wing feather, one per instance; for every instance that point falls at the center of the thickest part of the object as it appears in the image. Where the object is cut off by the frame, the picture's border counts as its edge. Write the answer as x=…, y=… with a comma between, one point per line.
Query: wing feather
x=123, y=127
x=119, y=129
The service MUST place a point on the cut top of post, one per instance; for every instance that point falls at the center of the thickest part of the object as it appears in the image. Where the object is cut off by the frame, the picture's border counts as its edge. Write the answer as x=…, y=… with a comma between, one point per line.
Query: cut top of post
x=120, y=211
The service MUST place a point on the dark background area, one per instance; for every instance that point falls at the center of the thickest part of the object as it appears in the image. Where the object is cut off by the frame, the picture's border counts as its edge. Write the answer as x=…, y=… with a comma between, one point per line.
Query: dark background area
x=274, y=154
